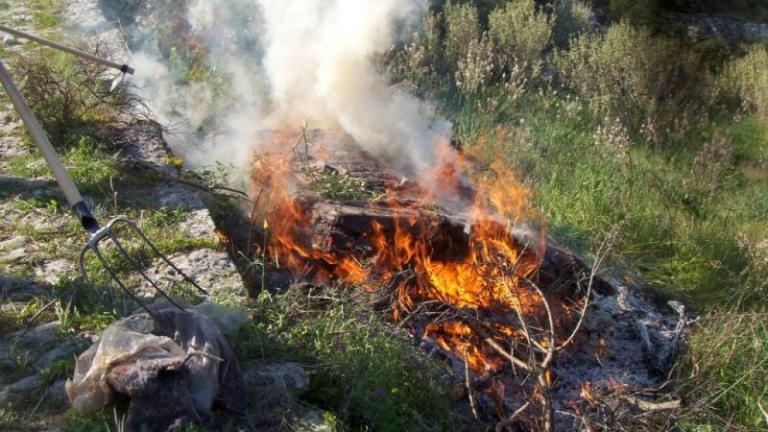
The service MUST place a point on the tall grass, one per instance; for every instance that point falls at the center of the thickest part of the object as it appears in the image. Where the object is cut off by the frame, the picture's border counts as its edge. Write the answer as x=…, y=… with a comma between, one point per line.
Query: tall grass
x=746, y=78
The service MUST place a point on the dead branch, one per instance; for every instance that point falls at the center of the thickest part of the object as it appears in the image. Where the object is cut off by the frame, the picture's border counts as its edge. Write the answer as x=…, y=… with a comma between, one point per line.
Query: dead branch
x=500, y=426
x=470, y=391
x=602, y=253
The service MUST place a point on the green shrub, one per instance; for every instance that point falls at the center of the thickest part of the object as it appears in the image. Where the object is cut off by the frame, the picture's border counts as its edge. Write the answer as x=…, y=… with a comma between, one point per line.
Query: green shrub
x=462, y=28
x=417, y=65
x=70, y=97
x=571, y=19
x=521, y=32
x=746, y=78
x=476, y=68
x=628, y=73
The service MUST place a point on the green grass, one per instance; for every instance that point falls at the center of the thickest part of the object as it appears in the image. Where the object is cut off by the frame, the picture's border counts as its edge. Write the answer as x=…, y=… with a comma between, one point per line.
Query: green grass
x=363, y=370
x=680, y=236
x=688, y=229
x=46, y=13
x=728, y=360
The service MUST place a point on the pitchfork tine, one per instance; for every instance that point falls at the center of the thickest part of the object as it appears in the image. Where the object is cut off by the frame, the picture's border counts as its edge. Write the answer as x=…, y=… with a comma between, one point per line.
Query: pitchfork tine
x=157, y=252
x=80, y=208
x=137, y=266
x=117, y=280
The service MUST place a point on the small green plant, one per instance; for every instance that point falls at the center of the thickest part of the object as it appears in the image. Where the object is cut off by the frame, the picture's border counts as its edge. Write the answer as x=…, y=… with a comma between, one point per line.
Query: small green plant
x=209, y=175
x=728, y=359
x=70, y=97
x=10, y=419
x=339, y=186
x=46, y=13
x=60, y=368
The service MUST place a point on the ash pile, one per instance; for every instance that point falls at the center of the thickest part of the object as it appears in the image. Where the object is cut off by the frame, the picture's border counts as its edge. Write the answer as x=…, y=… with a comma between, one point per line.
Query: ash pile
x=536, y=338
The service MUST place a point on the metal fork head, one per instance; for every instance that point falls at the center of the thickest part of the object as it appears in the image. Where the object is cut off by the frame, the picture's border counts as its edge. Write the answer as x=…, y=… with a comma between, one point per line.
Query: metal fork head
x=119, y=263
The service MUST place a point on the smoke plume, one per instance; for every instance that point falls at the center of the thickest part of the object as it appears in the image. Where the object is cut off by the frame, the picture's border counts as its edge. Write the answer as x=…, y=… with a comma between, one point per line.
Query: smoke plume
x=287, y=62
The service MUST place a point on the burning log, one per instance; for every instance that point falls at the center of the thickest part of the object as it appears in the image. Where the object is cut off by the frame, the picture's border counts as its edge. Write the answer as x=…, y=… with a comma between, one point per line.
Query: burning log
x=336, y=226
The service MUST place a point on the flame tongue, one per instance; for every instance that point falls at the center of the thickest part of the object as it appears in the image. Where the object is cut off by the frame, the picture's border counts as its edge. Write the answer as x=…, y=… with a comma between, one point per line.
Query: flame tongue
x=485, y=271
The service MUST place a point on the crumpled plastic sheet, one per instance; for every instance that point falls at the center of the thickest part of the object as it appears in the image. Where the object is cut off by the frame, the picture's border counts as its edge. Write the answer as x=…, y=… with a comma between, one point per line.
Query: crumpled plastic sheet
x=173, y=369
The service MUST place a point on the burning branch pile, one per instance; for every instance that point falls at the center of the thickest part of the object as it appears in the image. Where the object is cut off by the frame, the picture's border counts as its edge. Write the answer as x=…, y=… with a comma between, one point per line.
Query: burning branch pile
x=456, y=255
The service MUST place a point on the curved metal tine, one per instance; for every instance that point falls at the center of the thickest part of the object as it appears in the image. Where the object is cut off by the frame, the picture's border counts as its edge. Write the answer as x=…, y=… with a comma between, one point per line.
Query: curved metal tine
x=160, y=254
x=117, y=280
x=89, y=282
x=137, y=266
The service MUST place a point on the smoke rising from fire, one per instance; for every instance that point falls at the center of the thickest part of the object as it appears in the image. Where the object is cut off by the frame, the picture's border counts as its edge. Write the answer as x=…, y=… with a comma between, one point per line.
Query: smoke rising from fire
x=288, y=62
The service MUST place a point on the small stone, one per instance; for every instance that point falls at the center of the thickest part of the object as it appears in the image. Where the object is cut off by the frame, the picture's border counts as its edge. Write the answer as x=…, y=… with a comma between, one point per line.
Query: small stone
x=9, y=40
x=198, y=224
x=53, y=271
x=13, y=243
x=14, y=256
x=288, y=378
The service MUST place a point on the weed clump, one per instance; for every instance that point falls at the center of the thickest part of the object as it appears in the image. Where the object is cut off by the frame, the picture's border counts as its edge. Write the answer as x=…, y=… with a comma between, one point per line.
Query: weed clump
x=72, y=99
x=365, y=371
x=746, y=78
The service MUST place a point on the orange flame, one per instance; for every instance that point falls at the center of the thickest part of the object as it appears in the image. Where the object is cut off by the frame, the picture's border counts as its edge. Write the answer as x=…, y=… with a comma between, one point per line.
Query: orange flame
x=490, y=275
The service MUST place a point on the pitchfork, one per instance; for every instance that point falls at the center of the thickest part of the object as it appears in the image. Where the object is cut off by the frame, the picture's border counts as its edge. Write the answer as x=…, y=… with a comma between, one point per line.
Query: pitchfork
x=99, y=234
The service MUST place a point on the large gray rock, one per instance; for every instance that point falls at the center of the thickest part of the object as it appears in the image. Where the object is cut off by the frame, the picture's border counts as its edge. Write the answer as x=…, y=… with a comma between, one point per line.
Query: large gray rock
x=16, y=289
x=67, y=348
x=279, y=384
x=23, y=387
x=38, y=336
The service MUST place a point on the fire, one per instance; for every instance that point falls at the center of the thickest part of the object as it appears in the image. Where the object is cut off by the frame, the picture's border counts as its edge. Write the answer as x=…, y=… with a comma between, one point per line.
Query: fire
x=491, y=275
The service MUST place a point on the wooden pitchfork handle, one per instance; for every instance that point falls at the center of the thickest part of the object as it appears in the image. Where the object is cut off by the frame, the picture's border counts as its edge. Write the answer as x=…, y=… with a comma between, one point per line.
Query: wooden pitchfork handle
x=67, y=186
x=124, y=68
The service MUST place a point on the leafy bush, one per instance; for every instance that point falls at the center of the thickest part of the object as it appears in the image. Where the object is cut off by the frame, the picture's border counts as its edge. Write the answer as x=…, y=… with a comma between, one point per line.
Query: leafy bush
x=636, y=11
x=520, y=31
x=462, y=28
x=746, y=78
x=69, y=96
x=416, y=66
x=476, y=68
x=630, y=74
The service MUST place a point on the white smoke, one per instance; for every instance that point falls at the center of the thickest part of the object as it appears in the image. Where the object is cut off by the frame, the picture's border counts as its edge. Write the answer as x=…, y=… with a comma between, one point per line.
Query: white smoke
x=287, y=62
